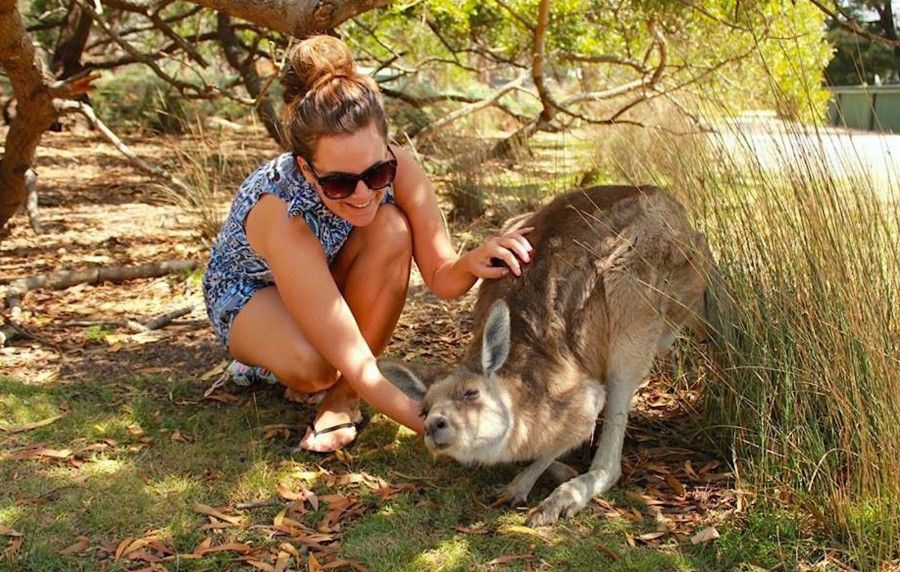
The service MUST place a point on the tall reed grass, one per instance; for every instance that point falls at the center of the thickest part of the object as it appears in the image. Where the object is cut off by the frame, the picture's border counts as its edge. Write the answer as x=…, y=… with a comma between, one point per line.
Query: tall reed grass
x=806, y=391
x=212, y=167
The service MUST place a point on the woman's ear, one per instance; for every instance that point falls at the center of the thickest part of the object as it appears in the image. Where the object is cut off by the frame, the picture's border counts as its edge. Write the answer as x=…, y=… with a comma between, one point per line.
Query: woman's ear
x=302, y=165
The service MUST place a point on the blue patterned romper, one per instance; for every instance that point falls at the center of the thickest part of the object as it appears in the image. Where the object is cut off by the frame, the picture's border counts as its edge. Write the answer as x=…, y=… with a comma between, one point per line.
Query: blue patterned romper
x=235, y=272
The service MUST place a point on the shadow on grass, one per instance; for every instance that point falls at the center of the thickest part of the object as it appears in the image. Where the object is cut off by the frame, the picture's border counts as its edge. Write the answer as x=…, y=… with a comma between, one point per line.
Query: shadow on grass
x=145, y=448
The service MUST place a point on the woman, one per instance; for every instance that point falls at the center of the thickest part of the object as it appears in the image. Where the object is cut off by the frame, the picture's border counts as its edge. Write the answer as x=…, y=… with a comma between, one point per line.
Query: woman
x=309, y=273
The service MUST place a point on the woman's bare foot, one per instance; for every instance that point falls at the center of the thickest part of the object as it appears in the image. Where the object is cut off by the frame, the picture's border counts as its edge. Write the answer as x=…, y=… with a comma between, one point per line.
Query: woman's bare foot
x=303, y=397
x=335, y=424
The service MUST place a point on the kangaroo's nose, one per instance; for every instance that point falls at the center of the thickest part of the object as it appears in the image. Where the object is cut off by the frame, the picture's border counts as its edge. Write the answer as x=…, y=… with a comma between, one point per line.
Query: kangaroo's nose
x=438, y=428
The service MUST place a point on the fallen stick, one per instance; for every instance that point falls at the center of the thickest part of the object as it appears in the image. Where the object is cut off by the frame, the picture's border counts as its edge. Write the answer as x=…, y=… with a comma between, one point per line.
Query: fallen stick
x=10, y=331
x=68, y=278
x=158, y=172
x=160, y=321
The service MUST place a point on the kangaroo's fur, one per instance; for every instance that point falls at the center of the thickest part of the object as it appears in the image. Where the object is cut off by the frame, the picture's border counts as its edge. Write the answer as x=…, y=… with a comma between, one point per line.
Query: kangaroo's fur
x=616, y=271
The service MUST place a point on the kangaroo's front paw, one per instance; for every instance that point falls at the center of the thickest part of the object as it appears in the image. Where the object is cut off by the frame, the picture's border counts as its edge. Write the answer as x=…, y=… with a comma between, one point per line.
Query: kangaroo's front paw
x=565, y=501
x=514, y=495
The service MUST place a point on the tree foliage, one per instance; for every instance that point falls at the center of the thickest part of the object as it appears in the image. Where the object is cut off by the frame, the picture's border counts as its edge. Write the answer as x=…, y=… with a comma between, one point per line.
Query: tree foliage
x=544, y=65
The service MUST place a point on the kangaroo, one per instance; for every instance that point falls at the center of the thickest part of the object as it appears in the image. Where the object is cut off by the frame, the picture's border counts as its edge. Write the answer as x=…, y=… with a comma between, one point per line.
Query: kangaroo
x=615, y=272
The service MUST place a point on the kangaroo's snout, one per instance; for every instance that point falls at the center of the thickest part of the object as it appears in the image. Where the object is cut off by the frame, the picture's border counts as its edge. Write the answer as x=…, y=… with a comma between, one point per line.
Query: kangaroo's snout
x=439, y=431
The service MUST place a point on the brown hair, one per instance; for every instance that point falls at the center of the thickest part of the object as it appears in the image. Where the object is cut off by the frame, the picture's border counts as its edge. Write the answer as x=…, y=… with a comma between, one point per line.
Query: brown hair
x=323, y=95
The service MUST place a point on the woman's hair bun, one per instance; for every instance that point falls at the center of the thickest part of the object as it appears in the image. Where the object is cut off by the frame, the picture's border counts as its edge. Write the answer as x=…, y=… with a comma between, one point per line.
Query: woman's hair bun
x=313, y=62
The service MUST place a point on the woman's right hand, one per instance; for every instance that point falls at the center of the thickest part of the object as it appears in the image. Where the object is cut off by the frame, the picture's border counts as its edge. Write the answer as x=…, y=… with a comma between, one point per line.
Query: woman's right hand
x=500, y=255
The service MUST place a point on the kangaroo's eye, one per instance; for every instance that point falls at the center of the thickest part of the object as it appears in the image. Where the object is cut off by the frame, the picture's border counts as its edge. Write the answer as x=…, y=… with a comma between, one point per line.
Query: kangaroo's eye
x=470, y=394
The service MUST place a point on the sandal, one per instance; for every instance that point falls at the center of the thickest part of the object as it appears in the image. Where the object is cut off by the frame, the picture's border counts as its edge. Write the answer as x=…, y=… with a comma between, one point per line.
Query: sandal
x=246, y=375
x=359, y=425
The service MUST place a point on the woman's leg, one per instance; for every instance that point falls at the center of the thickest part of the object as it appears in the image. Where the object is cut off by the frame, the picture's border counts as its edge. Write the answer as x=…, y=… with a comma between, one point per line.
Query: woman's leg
x=372, y=272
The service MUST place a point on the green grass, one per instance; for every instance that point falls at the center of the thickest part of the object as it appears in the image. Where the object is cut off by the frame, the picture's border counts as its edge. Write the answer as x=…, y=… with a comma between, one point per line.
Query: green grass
x=135, y=487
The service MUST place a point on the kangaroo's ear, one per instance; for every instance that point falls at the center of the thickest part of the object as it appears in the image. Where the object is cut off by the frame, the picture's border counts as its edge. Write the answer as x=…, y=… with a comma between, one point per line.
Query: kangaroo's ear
x=401, y=376
x=495, y=343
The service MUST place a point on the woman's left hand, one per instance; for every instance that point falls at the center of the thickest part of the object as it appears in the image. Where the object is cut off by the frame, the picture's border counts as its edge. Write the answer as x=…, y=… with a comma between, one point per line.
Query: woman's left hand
x=512, y=250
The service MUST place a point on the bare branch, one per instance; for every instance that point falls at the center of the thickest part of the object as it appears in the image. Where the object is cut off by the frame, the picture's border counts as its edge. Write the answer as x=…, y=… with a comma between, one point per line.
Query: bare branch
x=146, y=28
x=162, y=26
x=88, y=112
x=298, y=19
x=159, y=54
x=849, y=23
x=601, y=59
x=135, y=53
x=537, y=62
x=247, y=70
x=470, y=108
x=520, y=18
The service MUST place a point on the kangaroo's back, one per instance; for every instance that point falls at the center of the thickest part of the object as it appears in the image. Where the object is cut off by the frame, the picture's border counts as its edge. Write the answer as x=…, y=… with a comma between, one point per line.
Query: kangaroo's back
x=603, y=257
x=615, y=271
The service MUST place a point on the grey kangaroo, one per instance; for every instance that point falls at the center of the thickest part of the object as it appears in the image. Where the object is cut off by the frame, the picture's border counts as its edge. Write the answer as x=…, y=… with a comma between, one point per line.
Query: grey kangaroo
x=616, y=271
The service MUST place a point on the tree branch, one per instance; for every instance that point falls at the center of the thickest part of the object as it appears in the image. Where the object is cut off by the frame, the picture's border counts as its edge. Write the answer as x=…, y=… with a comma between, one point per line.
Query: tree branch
x=470, y=108
x=88, y=112
x=298, y=19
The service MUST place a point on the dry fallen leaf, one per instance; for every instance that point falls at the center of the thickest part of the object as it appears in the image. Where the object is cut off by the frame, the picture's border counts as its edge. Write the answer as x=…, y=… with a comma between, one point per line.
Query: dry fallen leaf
x=180, y=437
x=80, y=546
x=313, y=564
x=705, y=535
x=13, y=551
x=612, y=554
x=281, y=563
x=120, y=549
x=30, y=426
x=509, y=558
x=238, y=547
x=290, y=549
x=207, y=542
x=477, y=528
x=7, y=531
x=675, y=484
x=215, y=370
x=210, y=511
x=651, y=536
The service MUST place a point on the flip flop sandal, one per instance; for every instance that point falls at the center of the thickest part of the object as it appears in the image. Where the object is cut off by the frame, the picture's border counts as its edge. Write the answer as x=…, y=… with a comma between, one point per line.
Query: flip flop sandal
x=360, y=425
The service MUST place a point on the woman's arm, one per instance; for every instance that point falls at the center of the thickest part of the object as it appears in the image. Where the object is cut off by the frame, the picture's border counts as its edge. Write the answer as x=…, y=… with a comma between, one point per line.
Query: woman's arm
x=445, y=273
x=312, y=299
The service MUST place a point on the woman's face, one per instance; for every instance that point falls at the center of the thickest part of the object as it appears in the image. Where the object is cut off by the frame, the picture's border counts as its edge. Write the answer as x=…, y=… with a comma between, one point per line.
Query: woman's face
x=349, y=154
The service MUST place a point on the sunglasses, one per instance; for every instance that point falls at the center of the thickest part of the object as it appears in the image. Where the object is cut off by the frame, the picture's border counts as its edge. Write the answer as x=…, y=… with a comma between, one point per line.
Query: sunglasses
x=341, y=185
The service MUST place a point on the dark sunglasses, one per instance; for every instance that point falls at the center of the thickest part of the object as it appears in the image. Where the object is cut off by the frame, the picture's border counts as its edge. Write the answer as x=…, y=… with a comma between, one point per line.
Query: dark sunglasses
x=341, y=185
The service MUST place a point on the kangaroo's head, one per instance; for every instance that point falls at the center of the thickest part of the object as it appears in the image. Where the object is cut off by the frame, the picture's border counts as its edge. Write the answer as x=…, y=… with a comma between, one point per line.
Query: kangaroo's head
x=468, y=414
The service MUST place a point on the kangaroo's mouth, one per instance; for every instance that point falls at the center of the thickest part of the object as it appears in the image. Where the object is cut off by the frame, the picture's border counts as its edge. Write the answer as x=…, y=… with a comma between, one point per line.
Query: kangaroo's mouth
x=435, y=446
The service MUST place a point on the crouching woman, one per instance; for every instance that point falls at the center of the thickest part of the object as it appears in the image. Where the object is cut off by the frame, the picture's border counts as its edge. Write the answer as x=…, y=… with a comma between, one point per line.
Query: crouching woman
x=309, y=273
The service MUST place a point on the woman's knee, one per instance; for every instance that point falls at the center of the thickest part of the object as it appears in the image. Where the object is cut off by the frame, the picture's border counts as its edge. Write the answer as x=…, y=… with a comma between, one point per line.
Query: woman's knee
x=304, y=372
x=391, y=235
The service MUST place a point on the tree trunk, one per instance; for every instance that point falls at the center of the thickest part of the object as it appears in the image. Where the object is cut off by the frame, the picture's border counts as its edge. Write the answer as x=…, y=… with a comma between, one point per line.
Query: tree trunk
x=35, y=111
x=889, y=30
x=246, y=67
x=72, y=39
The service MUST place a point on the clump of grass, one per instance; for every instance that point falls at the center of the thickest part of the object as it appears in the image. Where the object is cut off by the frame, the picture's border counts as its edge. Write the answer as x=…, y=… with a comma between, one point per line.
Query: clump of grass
x=212, y=167
x=806, y=396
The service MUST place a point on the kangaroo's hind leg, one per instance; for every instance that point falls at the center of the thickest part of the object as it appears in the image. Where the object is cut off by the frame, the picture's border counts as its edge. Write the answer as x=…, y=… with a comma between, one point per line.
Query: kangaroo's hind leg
x=631, y=356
